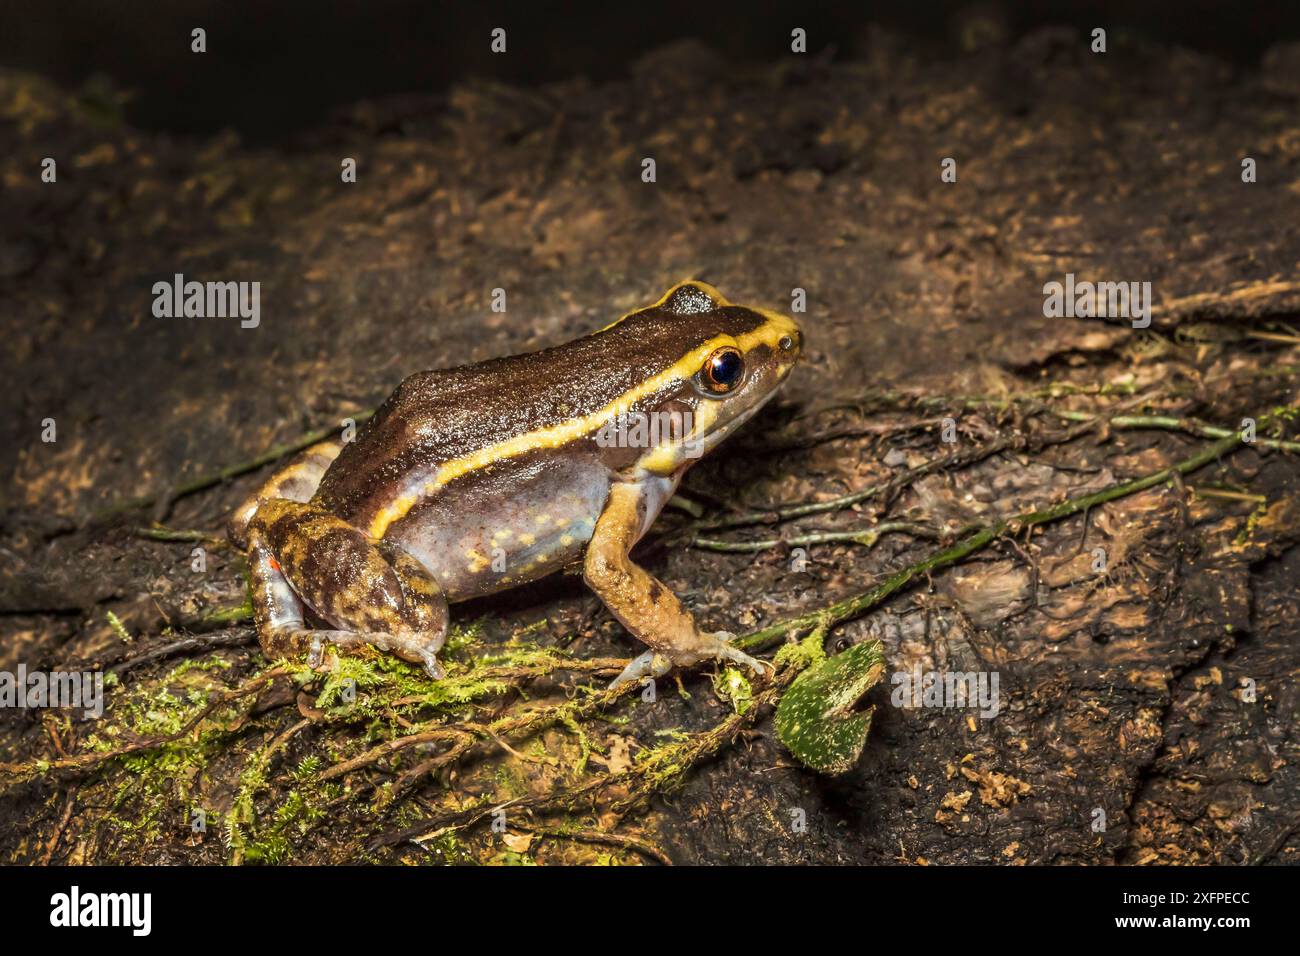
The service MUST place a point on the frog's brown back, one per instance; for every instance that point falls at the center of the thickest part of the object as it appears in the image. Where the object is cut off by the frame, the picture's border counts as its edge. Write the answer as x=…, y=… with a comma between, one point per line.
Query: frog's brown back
x=436, y=417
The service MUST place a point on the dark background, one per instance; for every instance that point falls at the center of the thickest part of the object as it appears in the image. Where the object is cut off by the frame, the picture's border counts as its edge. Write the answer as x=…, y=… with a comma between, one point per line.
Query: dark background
x=778, y=171
x=275, y=68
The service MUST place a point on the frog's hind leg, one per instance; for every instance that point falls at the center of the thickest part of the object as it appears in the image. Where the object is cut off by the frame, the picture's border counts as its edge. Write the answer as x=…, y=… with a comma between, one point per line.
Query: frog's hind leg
x=296, y=481
x=370, y=592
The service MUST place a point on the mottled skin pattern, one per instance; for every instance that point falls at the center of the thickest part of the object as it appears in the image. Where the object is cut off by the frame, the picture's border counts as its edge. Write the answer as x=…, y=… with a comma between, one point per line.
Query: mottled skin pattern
x=471, y=480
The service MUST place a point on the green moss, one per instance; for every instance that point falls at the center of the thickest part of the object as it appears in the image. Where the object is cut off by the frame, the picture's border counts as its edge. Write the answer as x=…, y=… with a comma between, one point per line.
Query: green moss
x=661, y=765
x=144, y=799
x=471, y=677
x=734, y=688
x=119, y=628
x=584, y=743
x=803, y=654
x=510, y=782
x=511, y=858
x=447, y=848
x=301, y=810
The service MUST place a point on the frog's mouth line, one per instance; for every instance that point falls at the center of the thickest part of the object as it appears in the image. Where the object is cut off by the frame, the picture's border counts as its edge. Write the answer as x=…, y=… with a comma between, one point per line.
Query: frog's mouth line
x=714, y=438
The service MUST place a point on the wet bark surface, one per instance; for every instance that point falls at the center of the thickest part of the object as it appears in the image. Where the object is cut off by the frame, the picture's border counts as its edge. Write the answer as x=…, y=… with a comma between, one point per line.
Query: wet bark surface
x=1148, y=709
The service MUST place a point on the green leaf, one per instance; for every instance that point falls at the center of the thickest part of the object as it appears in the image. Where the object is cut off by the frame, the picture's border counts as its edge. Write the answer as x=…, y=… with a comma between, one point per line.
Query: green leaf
x=815, y=719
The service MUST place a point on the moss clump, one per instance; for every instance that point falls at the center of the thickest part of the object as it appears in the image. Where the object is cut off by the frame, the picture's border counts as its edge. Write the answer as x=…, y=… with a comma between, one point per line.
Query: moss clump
x=160, y=790
x=803, y=654
x=733, y=687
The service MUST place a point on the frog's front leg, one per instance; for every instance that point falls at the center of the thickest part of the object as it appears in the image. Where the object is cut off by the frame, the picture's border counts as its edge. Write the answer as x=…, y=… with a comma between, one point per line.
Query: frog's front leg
x=369, y=592
x=644, y=605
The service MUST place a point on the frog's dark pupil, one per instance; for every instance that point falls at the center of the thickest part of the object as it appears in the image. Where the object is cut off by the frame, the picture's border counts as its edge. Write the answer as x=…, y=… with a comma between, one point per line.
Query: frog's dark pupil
x=726, y=368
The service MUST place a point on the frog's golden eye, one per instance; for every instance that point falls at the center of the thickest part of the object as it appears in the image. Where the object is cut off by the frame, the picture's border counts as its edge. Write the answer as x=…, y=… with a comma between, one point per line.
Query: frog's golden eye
x=722, y=370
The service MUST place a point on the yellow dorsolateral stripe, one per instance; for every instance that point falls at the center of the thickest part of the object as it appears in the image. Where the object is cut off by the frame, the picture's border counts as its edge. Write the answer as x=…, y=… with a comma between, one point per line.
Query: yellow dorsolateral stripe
x=769, y=334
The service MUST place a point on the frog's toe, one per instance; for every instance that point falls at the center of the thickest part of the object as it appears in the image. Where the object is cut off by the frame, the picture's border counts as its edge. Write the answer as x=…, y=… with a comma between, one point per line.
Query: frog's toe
x=717, y=646
x=418, y=649
x=760, y=667
x=429, y=662
x=725, y=650
x=649, y=664
x=408, y=647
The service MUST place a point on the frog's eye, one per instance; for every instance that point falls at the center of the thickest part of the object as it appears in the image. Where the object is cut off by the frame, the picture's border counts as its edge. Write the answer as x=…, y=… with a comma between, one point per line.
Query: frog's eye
x=722, y=370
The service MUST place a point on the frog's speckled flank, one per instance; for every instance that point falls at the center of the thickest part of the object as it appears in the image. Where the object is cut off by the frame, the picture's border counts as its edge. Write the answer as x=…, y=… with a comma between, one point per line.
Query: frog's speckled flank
x=475, y=479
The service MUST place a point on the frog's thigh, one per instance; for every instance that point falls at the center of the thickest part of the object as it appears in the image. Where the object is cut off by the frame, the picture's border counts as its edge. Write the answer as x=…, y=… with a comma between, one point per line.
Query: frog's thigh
x=644, y=605
x=370, y=592
x=296, y=481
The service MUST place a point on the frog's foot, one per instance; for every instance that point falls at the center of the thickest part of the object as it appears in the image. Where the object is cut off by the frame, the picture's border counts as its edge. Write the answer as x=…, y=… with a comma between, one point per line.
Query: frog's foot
x=727, y=651
x=406, y=647
x=369, y=592
x=715, y=646
x=297, y=641
x=650, y=664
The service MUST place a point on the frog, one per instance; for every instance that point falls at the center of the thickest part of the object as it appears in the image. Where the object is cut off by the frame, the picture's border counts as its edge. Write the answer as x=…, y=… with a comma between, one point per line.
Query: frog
x=472, y=480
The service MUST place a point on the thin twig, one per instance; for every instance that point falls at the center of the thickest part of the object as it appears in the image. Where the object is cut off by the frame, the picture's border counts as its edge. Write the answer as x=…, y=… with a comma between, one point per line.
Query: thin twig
x=1086, y=421
x=1168, y=422
x=781, y=513
x=388, y=747
x=867, y=537
x=159, y=532
x=1203, y=492
x=234, y=637
x=644, y=847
